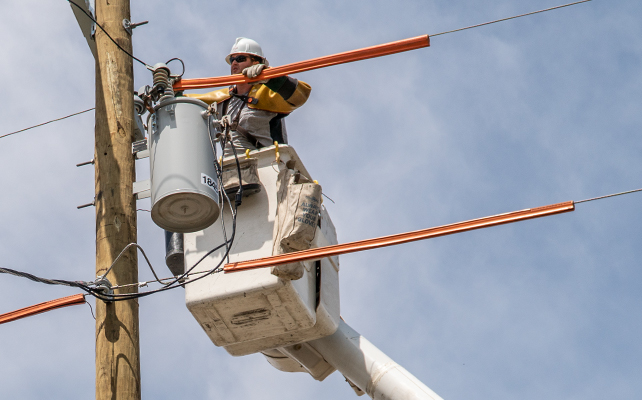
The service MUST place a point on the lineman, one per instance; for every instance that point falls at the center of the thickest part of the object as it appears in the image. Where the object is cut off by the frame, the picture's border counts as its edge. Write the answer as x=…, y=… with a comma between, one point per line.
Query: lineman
x=255, y=111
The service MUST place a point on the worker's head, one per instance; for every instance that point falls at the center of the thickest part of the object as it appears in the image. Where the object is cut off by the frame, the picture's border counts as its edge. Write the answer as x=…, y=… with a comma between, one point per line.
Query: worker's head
x=244, y=53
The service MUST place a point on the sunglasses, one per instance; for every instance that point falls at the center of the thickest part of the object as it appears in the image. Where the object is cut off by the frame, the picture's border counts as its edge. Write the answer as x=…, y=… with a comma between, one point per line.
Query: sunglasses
x=238, y=59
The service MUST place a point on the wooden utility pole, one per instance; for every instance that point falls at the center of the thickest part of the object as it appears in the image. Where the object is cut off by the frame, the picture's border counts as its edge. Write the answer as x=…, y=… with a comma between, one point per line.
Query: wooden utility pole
x=117, y=338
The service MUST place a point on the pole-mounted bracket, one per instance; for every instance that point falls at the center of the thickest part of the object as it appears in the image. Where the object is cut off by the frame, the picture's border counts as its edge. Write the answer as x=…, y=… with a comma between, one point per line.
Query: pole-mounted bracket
x=140, y=149
x=142, y=189
x=102, y=284
x=93, y=203
x=129, y=26
x=90, y=162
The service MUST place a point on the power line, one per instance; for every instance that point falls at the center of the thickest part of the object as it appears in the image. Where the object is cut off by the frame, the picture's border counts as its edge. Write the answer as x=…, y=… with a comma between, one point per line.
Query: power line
x=48, y=122
x=97, y=288
x=102, y=289
x=506, y=19
x=609, y=195
x=92, y=288
x=110, y=38
x=108, y=35
x=42, y=307
x=146, y=65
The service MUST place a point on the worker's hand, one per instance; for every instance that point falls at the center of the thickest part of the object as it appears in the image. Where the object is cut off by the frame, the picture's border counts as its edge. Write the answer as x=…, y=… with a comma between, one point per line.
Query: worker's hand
x=212, y=110
x=254, y=71
x=226, y=121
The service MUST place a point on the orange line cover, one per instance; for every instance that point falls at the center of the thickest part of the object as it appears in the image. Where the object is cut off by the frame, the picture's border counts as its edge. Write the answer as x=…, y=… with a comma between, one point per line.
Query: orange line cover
x=42, y=307
x=320, y=62
x=368, y=244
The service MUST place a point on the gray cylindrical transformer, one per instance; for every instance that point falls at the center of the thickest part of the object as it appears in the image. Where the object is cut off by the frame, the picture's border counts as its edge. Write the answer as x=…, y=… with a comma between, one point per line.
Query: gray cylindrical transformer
x=184, y=188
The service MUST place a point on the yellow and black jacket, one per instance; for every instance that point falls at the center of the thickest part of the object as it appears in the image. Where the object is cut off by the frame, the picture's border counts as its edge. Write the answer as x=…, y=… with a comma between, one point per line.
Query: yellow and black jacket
x=280, y=95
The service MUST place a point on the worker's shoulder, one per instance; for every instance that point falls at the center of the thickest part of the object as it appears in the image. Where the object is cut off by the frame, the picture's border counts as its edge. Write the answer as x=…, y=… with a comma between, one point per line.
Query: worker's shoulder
x=211, y=97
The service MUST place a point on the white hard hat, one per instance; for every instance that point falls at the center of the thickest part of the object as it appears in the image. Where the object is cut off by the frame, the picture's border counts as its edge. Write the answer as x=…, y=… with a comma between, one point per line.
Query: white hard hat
x=246, y=46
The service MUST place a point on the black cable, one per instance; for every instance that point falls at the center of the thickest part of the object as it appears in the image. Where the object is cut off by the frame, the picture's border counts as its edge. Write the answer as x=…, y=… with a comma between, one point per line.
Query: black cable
x=222, y=194
x=239, y=194
x=90, y=309
x=48, y=122
x=108, y=35
x=172, y=285
x=77, y=284
x=182, y=63
x=177, y=280
x=100, y=294
x=40, y=280
x=228, y=244
x=98, y=291
x=222, y=197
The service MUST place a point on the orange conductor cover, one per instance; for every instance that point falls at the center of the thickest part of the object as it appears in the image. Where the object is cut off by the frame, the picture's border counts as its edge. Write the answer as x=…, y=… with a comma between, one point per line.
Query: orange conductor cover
x=42, y=307
x=320, y=62
x=368, y=244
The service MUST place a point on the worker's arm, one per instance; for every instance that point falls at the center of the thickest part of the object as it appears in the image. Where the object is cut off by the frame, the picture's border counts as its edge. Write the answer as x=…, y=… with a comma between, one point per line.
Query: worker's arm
x=293, y=91
x=211, y=97
x=281, y=95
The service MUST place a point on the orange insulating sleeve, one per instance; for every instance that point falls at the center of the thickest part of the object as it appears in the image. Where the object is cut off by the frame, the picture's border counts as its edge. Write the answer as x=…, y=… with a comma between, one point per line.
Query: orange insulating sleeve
x=42, y=307
x=368, y=244
x=320, y=62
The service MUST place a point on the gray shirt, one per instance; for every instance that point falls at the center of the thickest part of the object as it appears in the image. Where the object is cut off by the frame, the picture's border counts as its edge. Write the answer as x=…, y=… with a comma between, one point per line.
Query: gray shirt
x=255, y=122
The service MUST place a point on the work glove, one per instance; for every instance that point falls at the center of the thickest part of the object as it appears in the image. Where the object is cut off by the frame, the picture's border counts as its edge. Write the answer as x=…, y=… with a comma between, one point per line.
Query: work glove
x=226, y=121
x=253, y=71
x=212, y=110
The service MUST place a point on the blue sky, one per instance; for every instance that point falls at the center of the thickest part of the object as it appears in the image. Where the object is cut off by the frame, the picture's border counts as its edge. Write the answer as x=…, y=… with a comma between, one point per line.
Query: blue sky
x=520, y=114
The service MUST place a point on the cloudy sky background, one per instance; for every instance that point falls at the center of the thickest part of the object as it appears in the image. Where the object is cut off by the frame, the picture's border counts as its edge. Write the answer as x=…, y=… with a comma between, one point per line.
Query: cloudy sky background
x=520, y=114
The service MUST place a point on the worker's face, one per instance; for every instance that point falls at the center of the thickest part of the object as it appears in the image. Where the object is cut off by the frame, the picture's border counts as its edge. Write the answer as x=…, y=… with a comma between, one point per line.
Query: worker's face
x=238, y=66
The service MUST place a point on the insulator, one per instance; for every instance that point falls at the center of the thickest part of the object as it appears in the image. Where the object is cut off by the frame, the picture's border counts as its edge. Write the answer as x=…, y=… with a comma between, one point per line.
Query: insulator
x=139, y=105
x=161, y=81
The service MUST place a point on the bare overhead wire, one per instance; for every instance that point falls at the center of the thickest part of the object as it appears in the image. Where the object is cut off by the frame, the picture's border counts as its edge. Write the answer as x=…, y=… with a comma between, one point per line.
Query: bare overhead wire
x=123, y=252
x=506, y=19
x=92, y=289
x=609, y=195
x=173, y=59
x=179, y=281
x=97, y=290
x=48, y=122
x=117, y=45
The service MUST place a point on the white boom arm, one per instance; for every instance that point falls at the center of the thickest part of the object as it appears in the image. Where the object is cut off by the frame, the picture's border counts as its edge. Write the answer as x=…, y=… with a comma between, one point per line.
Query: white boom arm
x=369, y=368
